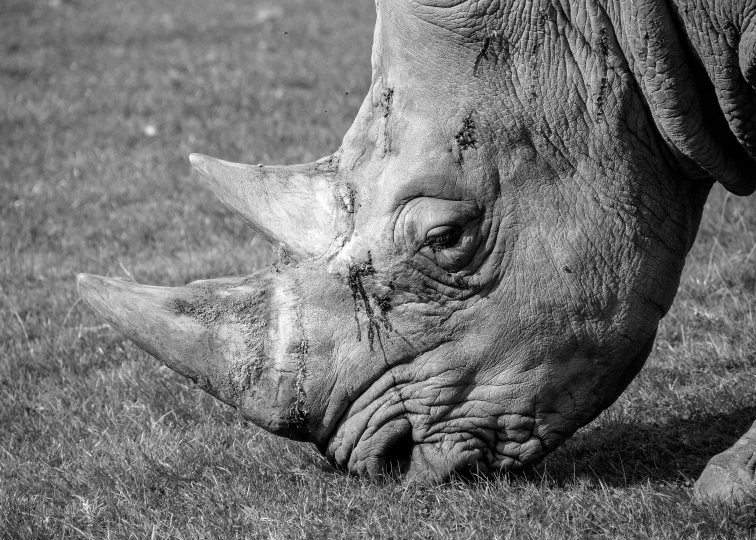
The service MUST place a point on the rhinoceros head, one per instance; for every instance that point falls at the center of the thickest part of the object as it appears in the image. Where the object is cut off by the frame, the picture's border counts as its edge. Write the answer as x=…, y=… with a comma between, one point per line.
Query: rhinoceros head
x=480, y=269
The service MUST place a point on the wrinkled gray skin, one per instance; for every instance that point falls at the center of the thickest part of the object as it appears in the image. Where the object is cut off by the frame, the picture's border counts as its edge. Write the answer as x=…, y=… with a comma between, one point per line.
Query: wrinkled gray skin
x=481, y=267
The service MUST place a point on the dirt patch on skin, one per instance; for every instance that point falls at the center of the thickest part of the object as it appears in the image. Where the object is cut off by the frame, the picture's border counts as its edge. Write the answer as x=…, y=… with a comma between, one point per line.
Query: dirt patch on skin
x=212, y=311
x=297, y=415
x=359, y=294
x=331, y=163
x=376, y=320
x=348, y=196
x=465, y=137
x=284, y=256
x=603, y=52
x=545, y=20
x=493, y=49
x=483, y=54
x=387, y=99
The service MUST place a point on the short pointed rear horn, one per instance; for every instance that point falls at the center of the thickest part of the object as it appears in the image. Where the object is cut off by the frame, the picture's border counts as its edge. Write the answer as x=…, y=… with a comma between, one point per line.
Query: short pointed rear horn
x=294, y=206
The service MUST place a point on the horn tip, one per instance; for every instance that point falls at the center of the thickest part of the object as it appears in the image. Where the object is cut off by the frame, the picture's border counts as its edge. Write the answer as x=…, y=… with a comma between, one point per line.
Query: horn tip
x=199, y=163
x=94, y=289
x=87, y=283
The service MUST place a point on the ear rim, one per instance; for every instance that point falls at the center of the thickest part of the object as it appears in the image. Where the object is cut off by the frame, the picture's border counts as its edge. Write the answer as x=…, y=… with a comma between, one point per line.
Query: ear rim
x=685, y=105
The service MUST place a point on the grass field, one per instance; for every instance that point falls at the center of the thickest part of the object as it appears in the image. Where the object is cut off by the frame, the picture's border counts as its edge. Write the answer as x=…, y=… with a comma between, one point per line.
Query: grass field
x=100, y=104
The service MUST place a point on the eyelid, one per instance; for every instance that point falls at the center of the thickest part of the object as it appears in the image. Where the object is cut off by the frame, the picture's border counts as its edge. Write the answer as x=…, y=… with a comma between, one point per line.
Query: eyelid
x=441, y=230
x=421, y=219
x=430, y=214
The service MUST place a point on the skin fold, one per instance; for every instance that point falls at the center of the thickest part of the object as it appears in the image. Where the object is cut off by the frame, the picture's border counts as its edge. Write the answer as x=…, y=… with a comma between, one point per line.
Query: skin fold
x=480, y=269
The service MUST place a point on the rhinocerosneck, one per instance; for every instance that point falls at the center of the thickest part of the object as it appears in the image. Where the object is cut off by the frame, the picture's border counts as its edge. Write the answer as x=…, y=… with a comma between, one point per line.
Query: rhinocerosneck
x=481, y=267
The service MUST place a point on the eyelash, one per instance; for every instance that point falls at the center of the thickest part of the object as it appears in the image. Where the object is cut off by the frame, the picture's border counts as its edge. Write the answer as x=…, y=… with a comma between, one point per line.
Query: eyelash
x=441, y=241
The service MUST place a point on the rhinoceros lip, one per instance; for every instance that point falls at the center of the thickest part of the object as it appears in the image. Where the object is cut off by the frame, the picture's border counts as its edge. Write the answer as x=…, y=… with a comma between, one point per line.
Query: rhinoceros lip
x=384, y=442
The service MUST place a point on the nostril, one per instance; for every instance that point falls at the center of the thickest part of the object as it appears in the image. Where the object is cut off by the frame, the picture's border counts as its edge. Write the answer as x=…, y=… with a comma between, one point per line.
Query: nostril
x=399, y=455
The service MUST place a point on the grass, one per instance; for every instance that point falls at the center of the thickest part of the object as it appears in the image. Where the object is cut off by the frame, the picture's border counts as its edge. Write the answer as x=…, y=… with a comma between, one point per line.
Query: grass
x=100, y=104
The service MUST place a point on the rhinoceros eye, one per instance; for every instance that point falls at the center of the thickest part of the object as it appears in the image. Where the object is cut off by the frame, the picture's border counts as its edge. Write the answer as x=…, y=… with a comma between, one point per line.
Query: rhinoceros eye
x=442, y=237
x=444, y=231
x=452, y=247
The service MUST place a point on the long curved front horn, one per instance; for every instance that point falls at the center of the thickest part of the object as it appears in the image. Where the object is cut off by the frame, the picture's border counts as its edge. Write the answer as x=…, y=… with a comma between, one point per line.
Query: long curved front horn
x=215, y=332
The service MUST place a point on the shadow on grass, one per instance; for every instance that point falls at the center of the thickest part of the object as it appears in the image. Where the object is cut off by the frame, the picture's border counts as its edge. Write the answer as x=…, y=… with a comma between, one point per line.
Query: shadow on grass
x=616, y=453
x=624, y=453
x=621, y=453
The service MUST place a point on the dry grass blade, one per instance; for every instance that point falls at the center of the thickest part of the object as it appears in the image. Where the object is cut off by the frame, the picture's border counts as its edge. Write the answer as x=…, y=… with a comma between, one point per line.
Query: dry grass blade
x=17, y=317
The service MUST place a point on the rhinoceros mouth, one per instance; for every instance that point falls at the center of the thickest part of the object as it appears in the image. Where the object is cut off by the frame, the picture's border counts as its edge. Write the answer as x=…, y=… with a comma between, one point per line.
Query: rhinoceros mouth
x=397, y=449
x=450, y=424
x=394, y=429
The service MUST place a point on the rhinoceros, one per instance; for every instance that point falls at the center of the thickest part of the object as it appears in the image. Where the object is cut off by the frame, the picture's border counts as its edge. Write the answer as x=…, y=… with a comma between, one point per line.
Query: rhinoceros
x=480, y=269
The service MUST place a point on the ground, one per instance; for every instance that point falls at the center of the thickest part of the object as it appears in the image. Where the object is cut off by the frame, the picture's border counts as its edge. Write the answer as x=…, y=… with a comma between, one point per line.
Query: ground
x=100, y=104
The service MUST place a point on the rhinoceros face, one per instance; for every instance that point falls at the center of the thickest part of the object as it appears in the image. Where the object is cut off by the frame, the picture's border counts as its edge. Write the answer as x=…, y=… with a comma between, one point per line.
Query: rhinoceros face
x=476, y=273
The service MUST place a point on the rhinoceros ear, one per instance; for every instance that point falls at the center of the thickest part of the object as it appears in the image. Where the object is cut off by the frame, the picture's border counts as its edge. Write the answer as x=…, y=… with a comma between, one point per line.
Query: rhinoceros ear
x=297, y=207
x=694, y=69
x=747, y=53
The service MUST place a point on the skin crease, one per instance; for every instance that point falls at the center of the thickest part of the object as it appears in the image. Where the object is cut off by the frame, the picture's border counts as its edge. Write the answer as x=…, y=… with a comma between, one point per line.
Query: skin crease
x=520, y=201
